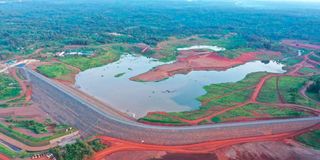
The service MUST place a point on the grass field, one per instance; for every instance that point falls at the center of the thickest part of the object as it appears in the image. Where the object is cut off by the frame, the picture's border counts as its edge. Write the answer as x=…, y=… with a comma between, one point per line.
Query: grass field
x=259, y=111
x=229, y=94
x=9, y=87
x=103, y=57
x=12, y=154
x=289, y=89
x=292, y=61
x=269, y=91
x=54, y=70
x=306, y=70
x=32, y=141
x=31, y=125
x=311, y=139
x=158, y=118
x=315, y=58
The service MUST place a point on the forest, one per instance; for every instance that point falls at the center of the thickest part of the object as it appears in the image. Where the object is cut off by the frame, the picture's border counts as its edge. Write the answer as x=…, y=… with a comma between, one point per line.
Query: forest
x=30, y=25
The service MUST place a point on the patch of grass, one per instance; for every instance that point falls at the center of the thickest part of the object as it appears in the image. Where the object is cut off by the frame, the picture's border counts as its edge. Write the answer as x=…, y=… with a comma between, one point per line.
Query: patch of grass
x=231, y=93
x=29, y=140
x=311, y=139
x=7, y=151
x=54, y=70
x=289, y=88
x=9, y=87
x=105, y=56
x=96, y=145
x=31, y=125
x=292, y=61
x=315, y=58
x=159, y=118
x=267, y=111
x=234, y=53
x=306, y=70
x=269, y=91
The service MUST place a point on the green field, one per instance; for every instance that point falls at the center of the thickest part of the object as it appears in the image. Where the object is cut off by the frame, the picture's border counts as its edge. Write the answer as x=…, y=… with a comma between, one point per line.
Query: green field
x=263, y=111
x=218, y=96
x=306, y=70
x=230, y=94
x=31, y=125
x=311, y=139
x=32, y=141
x=158, y=118
x=103, y=57
x=269, y=91
x=288, y=88
x=12, y=154
x=9, y=87
x=54, y=70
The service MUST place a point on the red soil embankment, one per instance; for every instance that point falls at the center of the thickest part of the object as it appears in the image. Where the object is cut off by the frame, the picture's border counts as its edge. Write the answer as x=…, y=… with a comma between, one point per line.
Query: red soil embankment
x=188, y=61
x=300, y=44
x=117, y=145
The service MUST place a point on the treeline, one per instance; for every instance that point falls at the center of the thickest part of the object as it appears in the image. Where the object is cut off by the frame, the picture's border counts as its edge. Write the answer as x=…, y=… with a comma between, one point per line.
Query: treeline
x=31, y=25
x=315, y=87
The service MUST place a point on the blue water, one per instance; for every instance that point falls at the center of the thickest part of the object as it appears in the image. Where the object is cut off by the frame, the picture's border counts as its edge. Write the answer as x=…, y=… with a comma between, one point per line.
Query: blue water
x=177, y=93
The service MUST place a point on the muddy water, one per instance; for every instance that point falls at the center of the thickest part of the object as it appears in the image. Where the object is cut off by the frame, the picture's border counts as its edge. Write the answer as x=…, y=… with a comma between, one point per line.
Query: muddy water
x=111, y=84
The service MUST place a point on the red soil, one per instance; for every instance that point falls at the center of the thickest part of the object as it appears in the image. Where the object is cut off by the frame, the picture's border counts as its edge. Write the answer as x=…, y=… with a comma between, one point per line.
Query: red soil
x=193, y=60
x=300, y=44
x=117, y=145
x=3, y=157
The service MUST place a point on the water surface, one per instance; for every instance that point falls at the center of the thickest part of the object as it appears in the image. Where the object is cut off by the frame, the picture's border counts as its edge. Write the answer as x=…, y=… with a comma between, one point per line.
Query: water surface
x=111, y=84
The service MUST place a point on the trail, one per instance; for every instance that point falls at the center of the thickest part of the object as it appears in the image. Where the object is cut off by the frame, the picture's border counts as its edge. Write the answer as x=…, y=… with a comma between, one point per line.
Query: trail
x=280, y=97
x=303, y=92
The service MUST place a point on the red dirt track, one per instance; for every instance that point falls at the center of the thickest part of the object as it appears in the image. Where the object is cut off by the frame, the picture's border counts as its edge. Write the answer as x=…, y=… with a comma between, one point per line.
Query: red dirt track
x=3, y=157
x=117, y=145
x=188, y=61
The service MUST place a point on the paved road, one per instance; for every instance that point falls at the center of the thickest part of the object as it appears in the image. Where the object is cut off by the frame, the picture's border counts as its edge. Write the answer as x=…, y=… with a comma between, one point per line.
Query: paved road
x=67, y=107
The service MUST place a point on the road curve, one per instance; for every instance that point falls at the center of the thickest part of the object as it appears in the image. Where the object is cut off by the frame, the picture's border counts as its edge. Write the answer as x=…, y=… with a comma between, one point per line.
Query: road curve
x=69, y=108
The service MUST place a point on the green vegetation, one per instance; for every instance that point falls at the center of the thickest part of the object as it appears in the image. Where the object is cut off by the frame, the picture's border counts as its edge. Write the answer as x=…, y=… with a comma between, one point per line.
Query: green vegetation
x=217, y=96
x=269, y=91
x=159, y=118
x=54, y=70
x=7, y=151
x=12, y=154
x=230, y=94
x=311, y=139
x=315, y=58
x=252, y=110
x=103, y=57
x=31, y=125
x=119, y=75
x=32, y=141
x=9, y=87
x=77, y=151
x=313, y=90
x=96, y=145
x=292, y=61
x=306, y=70
x=288, y=88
